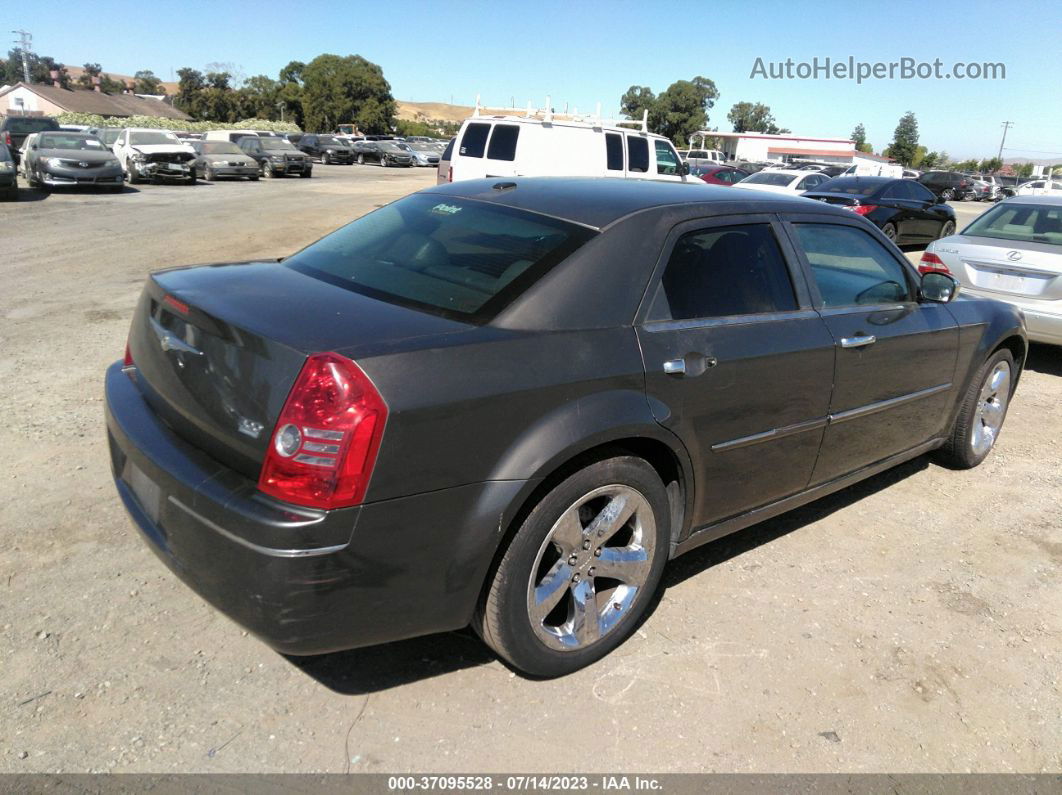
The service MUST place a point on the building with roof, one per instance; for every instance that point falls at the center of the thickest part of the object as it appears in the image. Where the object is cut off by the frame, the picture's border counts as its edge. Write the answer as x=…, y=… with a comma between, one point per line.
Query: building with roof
x=39, y=99
x=760, y=147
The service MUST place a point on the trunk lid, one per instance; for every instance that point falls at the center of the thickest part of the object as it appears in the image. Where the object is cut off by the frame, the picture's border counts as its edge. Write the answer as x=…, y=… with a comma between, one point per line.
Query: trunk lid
x=218, y=348
x=1016, y=268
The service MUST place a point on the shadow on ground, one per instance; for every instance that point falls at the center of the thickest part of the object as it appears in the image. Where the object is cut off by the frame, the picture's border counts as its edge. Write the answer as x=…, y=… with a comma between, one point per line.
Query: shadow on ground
x=1045, y=359
x=378, y=668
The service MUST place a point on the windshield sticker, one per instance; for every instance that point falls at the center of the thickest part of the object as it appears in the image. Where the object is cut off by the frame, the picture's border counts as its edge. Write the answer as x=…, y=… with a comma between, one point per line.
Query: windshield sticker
x=97, y=144
x=446, y=209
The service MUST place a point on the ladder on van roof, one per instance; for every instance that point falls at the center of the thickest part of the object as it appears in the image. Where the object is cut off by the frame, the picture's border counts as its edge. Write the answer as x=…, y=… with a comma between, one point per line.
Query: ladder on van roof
x=547, y=114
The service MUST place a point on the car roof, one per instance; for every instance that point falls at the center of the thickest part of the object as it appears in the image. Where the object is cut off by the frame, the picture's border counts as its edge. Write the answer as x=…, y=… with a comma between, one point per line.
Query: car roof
x=599, y=201
x=793, y=172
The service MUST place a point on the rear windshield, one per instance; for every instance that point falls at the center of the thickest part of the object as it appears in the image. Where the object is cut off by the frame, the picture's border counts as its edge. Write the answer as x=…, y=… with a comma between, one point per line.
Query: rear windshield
x=1029, y=223
x=853, y=186
x=17, y=124
x=277, y=144
x=452, y=257
x=330, y=140
x=217, y=148
x=769, y=178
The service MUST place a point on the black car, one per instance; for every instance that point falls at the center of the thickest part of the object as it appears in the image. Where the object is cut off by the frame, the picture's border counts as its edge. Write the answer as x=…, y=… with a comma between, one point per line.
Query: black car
x=948, y=185
x=902, y=209
x=8, y=175
x=386, y=153
x=275, y=156
x=326, y=148
x=507, y=403
x=14, y=129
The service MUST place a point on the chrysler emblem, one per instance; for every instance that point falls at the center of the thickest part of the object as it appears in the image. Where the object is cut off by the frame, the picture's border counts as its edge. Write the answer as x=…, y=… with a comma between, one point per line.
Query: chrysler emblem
x=1014, y=256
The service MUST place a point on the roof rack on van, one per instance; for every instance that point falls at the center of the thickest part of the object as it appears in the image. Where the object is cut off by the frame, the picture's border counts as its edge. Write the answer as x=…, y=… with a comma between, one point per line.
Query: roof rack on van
x=546, y=114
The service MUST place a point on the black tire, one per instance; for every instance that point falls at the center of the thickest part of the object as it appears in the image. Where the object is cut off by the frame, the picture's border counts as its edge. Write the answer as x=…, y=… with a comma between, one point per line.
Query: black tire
x=267, y=170
x=326, y=160
x=255, y=178
x=889, y=230
x=947, y=229
x=361, y=160
x=130, y=173
x=10, y=195
x=503, y=618
x=208, y=174
x=960, y=451
x=41, y=183
x=191, y=178
x=307, y=174
x=947, y=195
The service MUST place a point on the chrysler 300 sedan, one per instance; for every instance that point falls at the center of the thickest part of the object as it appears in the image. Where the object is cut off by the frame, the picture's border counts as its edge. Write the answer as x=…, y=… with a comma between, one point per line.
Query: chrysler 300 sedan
x=509, y=403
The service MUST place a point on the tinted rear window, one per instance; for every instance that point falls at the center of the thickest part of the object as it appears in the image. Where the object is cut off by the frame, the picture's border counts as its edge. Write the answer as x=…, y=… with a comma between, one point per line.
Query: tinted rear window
x=474, y=141
x=637, y=154
x=613, y=152
x=444, y=255
x=449, y=151
x=769, y=178
x=19, y=125
x=503, y=142
x=853, y=186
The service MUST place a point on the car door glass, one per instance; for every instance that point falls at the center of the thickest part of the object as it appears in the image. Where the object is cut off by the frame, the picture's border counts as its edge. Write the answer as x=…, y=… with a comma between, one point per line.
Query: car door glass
x=667, y=161
x=850, y=267
x=894, y=191
x=613, y=152
x=503, y=142
x=725, y=271
x=637, y=154
x=474, y=141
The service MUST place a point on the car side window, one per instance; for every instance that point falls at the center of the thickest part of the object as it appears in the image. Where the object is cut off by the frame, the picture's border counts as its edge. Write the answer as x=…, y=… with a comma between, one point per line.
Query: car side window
x=637, y=154
x=894, y=191
x=503, y=142
x=850, y=267
x=667, y=161
x=613, y=152
x=474, y=141
x=919, y=192
x=725, y=271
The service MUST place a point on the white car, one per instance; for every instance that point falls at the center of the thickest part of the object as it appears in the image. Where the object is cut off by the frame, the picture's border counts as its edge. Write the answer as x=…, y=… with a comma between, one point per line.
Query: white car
x=154, y=154
x=782, y=180
x=1012, y=253
x=1039, y=187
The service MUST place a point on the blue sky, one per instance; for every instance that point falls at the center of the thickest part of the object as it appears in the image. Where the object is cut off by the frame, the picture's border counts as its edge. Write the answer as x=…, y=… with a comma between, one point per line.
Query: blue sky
x=581, y=53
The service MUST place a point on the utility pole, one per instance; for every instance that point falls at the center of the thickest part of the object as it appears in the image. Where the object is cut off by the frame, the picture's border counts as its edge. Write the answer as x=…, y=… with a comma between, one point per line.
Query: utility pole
x=25, y=44
x=1006, y=126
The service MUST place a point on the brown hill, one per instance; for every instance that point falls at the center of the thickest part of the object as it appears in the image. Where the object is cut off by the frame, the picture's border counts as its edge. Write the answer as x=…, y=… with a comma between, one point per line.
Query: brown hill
x=76, y=72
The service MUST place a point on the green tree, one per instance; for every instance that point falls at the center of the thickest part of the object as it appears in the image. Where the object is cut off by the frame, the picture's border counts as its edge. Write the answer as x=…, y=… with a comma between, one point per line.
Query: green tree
x=753, y=117
x=145, y=82
x=990, y=165
x=292, y=73
x=219, y=80
x=905, y=139
x=930, y=161
x=1023, y=169
x=678, y=112
x=40, y=68
x=258, y=98
x=346, y=89
x=859, y=136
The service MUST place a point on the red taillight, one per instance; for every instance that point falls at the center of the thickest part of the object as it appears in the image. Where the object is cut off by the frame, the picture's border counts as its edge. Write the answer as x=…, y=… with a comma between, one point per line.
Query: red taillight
x=175, y=303
x=450, y=174
x=7, y=138
x=863, y=209
x=932, y=263
x=128, y=360
x=324, y=445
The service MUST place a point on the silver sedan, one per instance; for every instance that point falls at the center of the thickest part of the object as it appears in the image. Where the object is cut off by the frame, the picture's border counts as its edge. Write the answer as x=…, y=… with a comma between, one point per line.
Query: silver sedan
x=1011, y=253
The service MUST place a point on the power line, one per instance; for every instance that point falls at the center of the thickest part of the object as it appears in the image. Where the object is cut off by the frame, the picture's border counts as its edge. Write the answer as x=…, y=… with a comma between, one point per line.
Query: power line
x=1006, y=126
x=25, y=43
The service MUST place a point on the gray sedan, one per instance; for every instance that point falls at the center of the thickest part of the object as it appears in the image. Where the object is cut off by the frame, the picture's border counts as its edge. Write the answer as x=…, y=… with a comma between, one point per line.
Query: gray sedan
x=60, y=158
x=216, y=159
x=1011, y=253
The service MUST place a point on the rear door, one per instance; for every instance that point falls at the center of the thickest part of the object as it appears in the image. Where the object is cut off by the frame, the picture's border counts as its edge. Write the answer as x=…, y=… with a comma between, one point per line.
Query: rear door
x=737, y=362
x=893, y=380
x=908, y=218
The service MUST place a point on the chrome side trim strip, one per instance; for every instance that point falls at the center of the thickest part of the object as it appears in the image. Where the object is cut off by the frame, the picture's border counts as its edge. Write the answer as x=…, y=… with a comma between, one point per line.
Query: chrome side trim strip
x=774, y=433
x=276, y=553
x=655, y=326
x=884, y=405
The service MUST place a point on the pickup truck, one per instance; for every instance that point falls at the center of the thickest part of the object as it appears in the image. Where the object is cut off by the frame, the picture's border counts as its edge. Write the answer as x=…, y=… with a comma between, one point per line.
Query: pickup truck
x=14, y=129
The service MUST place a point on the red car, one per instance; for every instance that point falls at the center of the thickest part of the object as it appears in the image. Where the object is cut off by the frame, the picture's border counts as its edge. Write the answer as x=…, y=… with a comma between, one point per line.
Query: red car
x=719, y=175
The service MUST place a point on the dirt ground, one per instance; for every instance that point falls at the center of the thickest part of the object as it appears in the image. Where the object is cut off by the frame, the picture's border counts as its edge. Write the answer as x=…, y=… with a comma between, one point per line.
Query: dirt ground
x=910, y=623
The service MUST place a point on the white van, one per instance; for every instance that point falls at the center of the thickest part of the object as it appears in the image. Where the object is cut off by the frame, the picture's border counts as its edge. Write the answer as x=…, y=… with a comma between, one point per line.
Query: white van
x=541, y=146
x=232, y=136
x=865, y=169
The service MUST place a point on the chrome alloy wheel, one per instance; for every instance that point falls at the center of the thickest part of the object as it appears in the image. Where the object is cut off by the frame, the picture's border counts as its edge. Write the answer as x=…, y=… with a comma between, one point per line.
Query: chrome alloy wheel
x=591, y=566
x=991, y=408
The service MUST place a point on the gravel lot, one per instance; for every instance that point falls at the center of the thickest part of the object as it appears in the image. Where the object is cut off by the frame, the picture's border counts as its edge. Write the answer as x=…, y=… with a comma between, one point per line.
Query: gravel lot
x=910, y=623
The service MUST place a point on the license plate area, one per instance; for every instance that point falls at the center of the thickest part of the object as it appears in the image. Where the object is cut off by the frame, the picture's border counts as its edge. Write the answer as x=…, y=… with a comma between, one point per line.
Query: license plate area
x=147, y=492
x=1009, y=280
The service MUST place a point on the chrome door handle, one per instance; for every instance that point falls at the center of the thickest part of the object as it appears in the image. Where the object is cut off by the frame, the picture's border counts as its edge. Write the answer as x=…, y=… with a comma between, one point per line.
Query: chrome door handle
x=858, y=342
x=675, y=367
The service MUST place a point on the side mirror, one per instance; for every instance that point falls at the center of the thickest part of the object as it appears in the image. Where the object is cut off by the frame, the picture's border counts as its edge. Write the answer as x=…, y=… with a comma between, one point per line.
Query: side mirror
x=684, y=168
x=938, y=287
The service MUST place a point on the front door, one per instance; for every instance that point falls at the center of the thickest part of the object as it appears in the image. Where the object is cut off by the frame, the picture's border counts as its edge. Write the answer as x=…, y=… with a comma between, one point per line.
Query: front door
x=738, y=364
x=893, y=381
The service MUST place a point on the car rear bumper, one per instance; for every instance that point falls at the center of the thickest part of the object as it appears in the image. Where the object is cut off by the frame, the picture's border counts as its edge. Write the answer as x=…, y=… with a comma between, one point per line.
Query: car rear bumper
x=235, y=171
x=1042, y=323
x=304, y=581
x=289, y=168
